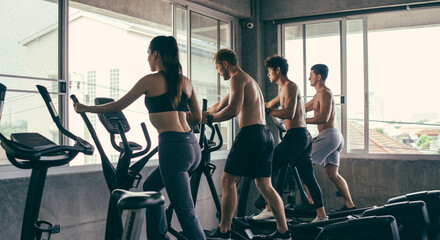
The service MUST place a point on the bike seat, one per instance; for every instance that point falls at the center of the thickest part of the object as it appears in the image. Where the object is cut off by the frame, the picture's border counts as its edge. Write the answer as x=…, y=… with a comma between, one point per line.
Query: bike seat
x=36, y=142
x=29, y=150
x=137, y=200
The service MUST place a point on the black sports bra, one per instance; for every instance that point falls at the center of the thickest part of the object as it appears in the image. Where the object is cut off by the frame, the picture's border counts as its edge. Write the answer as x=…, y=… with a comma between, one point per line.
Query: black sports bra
x=161, y=103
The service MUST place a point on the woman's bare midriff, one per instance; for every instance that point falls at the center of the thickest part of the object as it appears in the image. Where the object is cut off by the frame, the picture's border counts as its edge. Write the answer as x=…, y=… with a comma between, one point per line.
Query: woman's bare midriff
x=172, y=121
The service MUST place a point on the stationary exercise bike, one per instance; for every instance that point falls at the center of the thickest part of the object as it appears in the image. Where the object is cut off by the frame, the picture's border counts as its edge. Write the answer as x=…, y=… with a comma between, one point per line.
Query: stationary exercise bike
x=124, y=176
x=36, y=152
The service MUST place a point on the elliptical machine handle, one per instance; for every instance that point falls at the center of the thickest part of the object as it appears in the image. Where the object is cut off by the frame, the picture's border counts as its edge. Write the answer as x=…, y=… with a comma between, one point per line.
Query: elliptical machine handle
x=53, y=113
x=220, y=139
x=204, y=105
x=90, y=127
x=2, y=97
x=74, y=98
x=45, y=94
x=202, y=125
x=147, y=138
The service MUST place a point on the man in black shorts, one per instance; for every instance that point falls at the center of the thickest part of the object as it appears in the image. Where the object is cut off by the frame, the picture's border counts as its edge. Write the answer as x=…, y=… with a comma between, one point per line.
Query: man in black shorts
x=296, y=145
x=251, y=152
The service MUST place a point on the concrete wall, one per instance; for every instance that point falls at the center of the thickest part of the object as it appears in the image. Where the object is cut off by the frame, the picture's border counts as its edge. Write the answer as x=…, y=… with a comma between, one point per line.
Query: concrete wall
x=78, y=202
x=236, y=8
x=276, y=10
x=374, y=181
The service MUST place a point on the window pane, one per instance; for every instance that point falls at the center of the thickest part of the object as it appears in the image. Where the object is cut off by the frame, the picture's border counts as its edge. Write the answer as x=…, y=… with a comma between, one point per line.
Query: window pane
x=293, y=52
x=323, y=46
x=225, y=127
x=225, y=42
x=225, y=35
x=182, y=38
x=403, y=90
x=203, y=47
x=204, y=44
x=27, y=112
x=355, y=87
x=29, y=38
x=107, y=56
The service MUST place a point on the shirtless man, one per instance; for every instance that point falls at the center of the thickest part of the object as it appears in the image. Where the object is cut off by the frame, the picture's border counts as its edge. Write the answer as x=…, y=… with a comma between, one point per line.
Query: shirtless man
x=251, y=152
x=328, y=145
x=295, y=146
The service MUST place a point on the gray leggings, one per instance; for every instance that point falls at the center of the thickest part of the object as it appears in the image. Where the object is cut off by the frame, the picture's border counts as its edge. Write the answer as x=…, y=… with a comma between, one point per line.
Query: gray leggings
x=179, y=155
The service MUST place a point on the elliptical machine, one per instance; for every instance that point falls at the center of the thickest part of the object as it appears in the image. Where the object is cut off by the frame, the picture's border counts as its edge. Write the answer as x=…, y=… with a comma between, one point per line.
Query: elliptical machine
x=36, y=152
x=208, y=145
x=288, y=176
x=125, y=176
x=244, y=227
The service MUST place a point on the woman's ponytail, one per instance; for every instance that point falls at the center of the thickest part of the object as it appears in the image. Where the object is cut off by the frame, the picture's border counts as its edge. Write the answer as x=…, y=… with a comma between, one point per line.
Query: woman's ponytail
x=169, y=51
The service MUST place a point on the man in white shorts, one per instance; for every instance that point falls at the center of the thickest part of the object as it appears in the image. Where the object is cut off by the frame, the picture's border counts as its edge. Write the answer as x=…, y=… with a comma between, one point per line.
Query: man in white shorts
x=329, y=143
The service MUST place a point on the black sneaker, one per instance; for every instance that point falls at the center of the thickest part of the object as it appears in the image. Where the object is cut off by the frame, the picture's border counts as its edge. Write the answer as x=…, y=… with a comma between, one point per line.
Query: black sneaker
x=345, y=208
x=216, y=234
x=275, y=236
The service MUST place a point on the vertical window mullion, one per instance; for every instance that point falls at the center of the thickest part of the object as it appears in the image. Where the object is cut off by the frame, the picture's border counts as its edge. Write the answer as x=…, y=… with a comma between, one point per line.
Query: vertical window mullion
x=305, y=62
x=63, y=71
x=366, y=89
x=174, y=20
x=188, y=41
x=281, y=39
x=218, y=48
x=343, y=36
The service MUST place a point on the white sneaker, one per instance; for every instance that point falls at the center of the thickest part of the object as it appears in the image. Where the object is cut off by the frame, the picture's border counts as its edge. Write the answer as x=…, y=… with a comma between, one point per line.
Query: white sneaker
x=318, y=219
x=265, y=214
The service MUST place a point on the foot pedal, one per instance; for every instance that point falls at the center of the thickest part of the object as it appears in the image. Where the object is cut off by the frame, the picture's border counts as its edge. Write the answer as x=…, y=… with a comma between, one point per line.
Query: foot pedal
x=44, y=229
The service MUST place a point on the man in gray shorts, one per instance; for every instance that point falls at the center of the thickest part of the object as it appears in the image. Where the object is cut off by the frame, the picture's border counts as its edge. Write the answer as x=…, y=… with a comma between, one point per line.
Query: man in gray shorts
x=329, y=143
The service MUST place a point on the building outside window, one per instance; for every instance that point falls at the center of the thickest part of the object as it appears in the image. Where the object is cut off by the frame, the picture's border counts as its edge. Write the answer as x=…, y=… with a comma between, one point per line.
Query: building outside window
x=114, y=83
x=26, y=62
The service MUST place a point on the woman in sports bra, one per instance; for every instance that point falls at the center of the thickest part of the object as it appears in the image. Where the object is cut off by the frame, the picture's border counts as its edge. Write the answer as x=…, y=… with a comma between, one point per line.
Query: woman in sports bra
x=168, y=96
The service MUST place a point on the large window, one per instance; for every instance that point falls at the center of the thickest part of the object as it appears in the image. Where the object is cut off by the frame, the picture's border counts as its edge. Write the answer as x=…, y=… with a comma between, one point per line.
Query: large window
x=382, y=74
x=107, y=55
x=108, y=63
x=29, y=56
x=403, y=86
